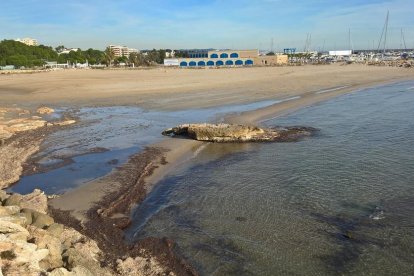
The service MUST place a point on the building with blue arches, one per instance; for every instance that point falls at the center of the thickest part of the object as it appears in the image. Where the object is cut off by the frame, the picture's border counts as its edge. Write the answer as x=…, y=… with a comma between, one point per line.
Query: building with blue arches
x=228, y=58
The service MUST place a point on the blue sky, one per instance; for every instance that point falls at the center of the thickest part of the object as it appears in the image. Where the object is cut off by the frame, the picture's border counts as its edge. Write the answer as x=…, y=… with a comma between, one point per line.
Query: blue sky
x=238, y=24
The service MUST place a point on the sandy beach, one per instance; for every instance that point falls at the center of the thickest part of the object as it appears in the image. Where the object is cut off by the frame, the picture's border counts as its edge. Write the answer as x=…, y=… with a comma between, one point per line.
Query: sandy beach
x=168, y=88
x=175, y=89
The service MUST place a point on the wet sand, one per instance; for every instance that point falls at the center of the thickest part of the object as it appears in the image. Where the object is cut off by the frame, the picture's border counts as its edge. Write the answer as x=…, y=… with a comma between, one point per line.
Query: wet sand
x=177, y=151
x=173, y=89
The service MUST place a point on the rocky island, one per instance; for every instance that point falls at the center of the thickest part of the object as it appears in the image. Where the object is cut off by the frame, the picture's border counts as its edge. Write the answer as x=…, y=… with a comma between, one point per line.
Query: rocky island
x=226, y=133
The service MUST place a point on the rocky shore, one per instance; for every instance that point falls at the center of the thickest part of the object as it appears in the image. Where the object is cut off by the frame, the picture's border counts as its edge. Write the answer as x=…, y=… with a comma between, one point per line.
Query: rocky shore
x=32, y=243
x=231, y=133
x=21, y=133
x=36, y=239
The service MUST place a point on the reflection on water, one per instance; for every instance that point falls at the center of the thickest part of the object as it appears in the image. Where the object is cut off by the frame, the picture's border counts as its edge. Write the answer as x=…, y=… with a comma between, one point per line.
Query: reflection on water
x=338, y=203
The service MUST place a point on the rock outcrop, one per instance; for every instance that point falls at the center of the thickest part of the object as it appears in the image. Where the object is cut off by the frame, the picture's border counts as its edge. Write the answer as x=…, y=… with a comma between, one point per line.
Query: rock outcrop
x=45, y=110
x=223, y=133
x=20, y=137
x=32, y=244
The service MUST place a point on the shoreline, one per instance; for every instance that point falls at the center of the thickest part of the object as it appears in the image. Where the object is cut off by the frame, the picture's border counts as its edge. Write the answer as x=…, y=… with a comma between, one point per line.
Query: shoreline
x=167, y=156
x=171, y=153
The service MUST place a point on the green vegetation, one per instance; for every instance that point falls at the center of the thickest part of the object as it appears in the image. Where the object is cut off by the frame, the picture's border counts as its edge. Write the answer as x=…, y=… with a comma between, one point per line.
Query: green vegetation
x=181, y=54
x=79, y=56
x=20, y=55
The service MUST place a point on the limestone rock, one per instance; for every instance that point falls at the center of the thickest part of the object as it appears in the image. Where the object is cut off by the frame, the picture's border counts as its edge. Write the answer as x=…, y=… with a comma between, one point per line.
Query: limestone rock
x=7, y=227
x=37, y=200
x=39, y=220
x=55, y=229
x=82, y=271
x=14, y=199
x=3, y=195
x=44, y=240
x=26, y=125
x=70, y=237
x=18, y=219
x=74, y=257
x=77, y=271
x=23, y=257
x=61, y=271
x=16, y=153
x=9, y=210
x=64, y=123
x=45, y=110
x=141, y=266
x=237, y=133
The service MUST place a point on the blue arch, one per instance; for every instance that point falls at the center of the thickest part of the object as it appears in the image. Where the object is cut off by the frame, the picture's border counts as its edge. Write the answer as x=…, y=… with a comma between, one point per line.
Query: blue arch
x=249, y=62
x=192, y=63
x=183, y=63
x=234, y=55
x=229, y=62
x=210, y=63
x=214, y=56
x=219, y=63
x=239, y=62
x=201, y=63
x=224, y=55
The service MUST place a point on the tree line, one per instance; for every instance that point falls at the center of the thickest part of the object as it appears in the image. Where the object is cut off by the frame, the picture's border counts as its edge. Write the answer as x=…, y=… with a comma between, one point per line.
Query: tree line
x=21, y=55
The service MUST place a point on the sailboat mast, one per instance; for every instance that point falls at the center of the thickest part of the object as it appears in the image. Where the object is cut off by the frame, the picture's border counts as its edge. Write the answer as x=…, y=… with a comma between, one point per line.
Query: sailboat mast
x=386, y=30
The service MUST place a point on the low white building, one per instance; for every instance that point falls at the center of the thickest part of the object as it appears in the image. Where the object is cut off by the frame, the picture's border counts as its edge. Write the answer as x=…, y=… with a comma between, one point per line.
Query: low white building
x=171, y=62
x=340, y=53
x=68, y=50
x=28, y=41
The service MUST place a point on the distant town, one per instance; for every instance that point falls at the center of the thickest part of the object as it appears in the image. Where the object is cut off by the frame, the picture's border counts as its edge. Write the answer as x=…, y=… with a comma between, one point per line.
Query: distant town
x=27, y=53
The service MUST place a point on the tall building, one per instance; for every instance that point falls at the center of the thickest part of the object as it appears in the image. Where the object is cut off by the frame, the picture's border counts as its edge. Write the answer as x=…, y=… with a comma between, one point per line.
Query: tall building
x=122, y=51
x=28, y=41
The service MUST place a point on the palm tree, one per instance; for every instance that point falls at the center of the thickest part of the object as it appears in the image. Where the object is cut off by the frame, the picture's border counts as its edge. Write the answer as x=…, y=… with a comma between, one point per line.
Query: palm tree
x=109, y=56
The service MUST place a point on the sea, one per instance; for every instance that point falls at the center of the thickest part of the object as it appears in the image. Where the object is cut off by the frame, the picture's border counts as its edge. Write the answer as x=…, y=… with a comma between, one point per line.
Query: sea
x=340, y=202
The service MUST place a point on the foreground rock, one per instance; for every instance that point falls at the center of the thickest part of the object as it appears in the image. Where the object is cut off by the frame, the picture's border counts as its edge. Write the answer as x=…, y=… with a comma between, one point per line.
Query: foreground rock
x=45, y=110
x=224, y=133
x=31, y=243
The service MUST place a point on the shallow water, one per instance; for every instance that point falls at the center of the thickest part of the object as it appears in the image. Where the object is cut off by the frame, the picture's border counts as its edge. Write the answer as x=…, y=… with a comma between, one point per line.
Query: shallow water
x=341, y=202
x=105, y=138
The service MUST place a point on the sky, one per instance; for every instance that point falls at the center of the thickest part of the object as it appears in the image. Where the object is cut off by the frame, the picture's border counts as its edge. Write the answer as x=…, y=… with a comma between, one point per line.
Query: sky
x=220, y=24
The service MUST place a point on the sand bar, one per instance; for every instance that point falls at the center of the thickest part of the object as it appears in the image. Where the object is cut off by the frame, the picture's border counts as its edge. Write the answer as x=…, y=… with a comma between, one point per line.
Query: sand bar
x=173, y=89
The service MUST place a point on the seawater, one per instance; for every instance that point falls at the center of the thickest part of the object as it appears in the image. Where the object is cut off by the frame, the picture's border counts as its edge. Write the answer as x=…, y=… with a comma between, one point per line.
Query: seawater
x=119, y=131
x=340, y=202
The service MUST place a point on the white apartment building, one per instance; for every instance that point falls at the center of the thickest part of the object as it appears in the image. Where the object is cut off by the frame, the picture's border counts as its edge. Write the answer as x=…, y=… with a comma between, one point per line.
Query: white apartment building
x=68, y=50
x=28, y=41
x=122, y=51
